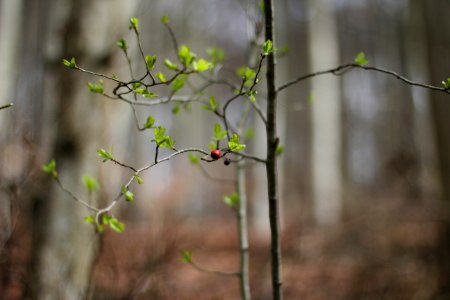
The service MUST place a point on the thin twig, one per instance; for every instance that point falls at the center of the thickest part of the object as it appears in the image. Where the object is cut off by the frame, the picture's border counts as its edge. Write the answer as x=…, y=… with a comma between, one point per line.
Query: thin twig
x=6, y=106
x=221, y=273
x=75, y=197
x=347, y=67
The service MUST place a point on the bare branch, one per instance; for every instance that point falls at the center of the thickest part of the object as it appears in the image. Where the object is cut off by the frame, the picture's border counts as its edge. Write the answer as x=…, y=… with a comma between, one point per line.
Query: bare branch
x=6, y=106
x=347, y=67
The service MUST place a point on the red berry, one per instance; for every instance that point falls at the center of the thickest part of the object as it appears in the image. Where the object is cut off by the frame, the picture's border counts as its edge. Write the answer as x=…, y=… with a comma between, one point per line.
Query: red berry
x=215, y=154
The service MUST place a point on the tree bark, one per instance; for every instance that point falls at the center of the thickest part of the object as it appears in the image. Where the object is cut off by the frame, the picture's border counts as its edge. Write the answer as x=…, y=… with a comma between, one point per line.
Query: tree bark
x=271, y=163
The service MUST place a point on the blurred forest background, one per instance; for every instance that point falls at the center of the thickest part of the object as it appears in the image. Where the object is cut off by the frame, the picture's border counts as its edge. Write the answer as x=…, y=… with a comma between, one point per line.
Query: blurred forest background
x=364, y=180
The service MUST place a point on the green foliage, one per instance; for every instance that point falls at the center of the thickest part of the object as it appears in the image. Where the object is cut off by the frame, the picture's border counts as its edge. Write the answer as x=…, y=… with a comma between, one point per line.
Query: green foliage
x=50, y=168
x=138, y=179
x=116, y=225
x=161, y=139
x=161, y=77
x=113, y=223
x=252, y=95
x=150, y=122
x=267, y=47
x=176, y=108
x=89, y=219
x=186, y=256
x=212, y=145
x=106, y=155
x=361, y=59
x=122, y=44
x=446, y=83
x=201, y=65
x=194, y=159
x=134, y=23
x=212, y=104
x=279, y=150
x=96, y=87
x=70, y=64
x=234, y=144
x=90, y=183
x=247, y=75
x=165, y=20
x=217, y=55
x=186, y=56
x=129, y=196
x=145, y=93
x=169, y=64
x=249, y=133
x=219, y=134
x=150, y=60
x=179, y=82
x=231, y=200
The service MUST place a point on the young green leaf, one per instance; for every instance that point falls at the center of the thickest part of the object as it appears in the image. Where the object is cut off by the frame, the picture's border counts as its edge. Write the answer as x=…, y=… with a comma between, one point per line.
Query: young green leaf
x=176, y=108
x=138, y=179
x=279, y=150
x=122, y=44
x=178, y=83
x=231, y=200
x=212, y=145
x=267, y=47
x=194, y=159
x=446, y=83
x=50, y=168
x=96, y=87
x=186, y=256
x=116, y=225
x=134, y=23
x=150, y=122
x=129, y=196
x=247, y=75
x=90, y=183
x=165, y=20
x=105, y=155
x=70, y=64
x=249, y=133
x=150, y=60
x=89, y=219
x=201, y=65
x=185, y=55
x=169, y=64
x=217, y=55
x=219, y=134
x=161, y=77
x=162, y=140
x=361, y=59
x=234, y=144
x=212, y=104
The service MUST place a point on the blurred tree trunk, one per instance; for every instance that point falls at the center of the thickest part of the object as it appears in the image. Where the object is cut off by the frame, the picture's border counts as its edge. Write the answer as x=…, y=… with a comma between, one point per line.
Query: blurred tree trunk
x=438, y=32
x=63, y=247
x=326, y=114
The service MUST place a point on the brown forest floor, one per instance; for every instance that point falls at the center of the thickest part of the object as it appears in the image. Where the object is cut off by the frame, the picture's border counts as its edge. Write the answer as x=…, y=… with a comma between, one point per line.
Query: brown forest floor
x=388, y=252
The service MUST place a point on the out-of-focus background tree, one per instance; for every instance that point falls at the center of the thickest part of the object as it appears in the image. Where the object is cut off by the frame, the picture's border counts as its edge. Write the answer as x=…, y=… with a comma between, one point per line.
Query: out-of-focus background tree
x=365, y=177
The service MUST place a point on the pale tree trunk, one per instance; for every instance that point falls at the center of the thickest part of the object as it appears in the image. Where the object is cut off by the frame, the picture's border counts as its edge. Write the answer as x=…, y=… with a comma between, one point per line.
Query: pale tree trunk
x=418, y=69
x=326, y=114
x=64, y=248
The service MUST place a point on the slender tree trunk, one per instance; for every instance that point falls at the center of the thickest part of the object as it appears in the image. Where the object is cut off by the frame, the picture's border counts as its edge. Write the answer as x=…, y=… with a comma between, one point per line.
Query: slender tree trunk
x=326, y=115
x=271, y=163
x=243, y=232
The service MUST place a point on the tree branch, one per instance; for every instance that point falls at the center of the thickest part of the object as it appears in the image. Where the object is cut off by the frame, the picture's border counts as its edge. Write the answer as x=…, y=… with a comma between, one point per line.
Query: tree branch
x=347, y=67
